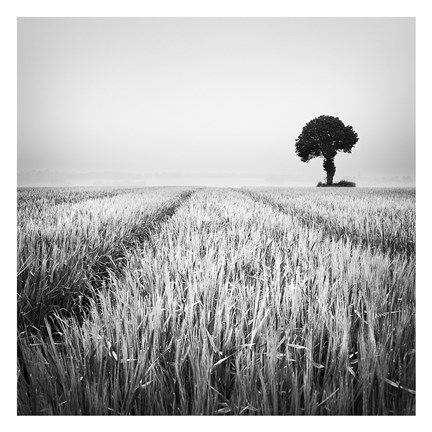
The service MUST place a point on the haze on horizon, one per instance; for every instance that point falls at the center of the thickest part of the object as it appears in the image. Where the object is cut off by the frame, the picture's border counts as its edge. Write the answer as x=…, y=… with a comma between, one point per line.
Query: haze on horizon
x=130, y=101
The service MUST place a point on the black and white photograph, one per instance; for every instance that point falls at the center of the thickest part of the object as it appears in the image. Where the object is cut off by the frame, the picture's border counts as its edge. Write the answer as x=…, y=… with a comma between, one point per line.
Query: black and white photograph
x=215, y=216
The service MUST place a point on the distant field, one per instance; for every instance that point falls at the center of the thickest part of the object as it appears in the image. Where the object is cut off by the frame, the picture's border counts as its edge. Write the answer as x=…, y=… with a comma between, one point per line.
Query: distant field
x=178, y=301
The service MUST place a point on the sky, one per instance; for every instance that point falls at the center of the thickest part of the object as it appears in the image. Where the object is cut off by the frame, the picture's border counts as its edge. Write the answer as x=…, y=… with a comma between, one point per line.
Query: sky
x=131, y=101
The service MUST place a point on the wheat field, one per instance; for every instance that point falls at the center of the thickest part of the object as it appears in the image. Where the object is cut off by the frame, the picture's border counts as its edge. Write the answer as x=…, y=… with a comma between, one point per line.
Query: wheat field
x=206, y=301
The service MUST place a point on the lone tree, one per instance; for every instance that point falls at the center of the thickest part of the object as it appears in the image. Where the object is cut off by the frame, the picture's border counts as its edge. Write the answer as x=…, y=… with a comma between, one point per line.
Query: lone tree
x=325, y=136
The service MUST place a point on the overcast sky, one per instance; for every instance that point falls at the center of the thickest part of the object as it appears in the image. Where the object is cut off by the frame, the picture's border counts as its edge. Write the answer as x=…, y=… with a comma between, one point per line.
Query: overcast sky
x=207, y=98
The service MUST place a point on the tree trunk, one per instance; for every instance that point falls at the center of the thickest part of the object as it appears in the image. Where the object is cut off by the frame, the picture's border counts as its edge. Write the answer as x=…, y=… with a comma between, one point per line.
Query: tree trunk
x=330, y=169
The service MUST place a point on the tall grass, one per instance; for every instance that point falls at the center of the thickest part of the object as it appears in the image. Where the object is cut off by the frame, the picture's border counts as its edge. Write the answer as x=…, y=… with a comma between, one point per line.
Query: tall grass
x=232, y=306
x=65, y=248
x=383, y=219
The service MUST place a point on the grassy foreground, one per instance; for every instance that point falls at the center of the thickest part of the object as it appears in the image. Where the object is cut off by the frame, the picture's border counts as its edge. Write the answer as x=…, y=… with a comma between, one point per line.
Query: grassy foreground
x=172, y=301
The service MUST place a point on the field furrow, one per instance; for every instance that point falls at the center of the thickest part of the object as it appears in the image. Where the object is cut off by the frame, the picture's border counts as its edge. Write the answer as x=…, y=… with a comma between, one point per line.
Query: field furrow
x=66, y=250
x=382, y=222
